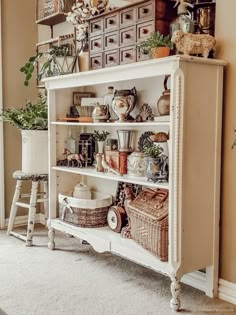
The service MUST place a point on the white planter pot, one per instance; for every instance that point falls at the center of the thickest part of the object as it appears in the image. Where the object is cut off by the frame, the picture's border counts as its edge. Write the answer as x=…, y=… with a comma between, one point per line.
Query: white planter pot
x=34, y=151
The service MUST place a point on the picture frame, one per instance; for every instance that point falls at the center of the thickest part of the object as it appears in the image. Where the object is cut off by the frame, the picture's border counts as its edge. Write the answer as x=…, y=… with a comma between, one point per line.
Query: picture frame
x=77, y=96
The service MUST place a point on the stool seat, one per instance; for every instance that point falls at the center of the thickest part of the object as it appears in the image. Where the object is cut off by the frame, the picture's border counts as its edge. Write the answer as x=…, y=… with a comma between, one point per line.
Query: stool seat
x=35, y=177
x=35, y=197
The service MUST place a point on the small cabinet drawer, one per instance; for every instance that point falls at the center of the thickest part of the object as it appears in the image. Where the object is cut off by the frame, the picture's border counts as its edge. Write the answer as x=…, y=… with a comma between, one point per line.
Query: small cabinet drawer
x=127, y=17
x=141, y=56
x=127, y=55
x=111, y=40
x=96, y=62
x=111, y=22
x=127, y=36
x=96, y=27
x=96, y=44
x=144, y=30
x=111, y=58
x=145, y=11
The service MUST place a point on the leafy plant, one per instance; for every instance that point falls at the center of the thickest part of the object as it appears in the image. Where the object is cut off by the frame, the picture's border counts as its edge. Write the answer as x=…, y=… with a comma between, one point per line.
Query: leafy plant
x=156, y=39
x=50, y=67
x=33, y=116
x=101, y=136
x=152, y=150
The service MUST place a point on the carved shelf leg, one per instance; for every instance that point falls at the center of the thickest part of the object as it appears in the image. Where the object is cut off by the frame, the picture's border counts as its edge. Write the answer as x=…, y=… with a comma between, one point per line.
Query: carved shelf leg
x=175, y=290
x=51, y=235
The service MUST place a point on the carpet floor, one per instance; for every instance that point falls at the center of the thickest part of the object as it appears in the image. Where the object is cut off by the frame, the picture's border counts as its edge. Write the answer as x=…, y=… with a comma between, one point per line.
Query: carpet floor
x=75, y=280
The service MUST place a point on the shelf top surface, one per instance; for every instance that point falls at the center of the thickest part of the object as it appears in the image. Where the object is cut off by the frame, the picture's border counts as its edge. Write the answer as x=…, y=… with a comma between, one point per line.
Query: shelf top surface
x=112, y=124
x=125, y=178
x=136, y=70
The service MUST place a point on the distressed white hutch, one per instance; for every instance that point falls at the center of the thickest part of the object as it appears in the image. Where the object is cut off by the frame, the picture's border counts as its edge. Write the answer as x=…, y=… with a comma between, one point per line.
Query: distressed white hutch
x=195, y=152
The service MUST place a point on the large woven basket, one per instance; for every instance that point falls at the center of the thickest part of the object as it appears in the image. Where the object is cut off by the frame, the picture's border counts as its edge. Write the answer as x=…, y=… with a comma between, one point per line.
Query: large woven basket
x=148, y=216
x=85, y=212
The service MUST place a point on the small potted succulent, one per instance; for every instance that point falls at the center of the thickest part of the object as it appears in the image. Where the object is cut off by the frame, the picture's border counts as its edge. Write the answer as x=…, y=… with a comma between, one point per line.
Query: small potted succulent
x=157, y=163
x=32, y=120
x=100, y=138
x=156, y=45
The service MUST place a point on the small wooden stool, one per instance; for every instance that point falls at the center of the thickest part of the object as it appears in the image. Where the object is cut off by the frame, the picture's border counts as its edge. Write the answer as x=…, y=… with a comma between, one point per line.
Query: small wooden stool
x=34, y=196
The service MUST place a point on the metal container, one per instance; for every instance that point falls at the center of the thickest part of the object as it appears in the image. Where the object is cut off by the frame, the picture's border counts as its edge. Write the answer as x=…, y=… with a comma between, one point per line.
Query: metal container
x=125, y=140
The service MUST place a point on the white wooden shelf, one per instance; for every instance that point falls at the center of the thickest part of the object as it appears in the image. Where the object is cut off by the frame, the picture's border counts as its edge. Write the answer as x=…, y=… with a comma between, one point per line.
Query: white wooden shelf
x=113, y=124
x=125, y=178
x=105, y=240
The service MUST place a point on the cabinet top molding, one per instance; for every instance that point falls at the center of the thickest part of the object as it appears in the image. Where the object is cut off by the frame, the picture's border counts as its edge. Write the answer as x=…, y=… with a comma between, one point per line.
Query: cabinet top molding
x=142, y=69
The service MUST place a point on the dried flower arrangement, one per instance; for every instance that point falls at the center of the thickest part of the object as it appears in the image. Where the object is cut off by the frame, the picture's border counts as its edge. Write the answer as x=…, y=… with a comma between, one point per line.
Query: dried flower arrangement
x=82, y=10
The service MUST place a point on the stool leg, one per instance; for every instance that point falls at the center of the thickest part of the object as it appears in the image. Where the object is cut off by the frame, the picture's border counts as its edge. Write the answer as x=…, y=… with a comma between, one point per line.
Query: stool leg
x=14, y=206
x=45, y=204
x=32, y=213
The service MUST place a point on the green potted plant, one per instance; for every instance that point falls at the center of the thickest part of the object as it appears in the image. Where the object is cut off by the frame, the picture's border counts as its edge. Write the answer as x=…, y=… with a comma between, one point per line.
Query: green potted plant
x=32, y=120
x=100, y=138
x=157, y=45
x=156, y=162
x=55, y=63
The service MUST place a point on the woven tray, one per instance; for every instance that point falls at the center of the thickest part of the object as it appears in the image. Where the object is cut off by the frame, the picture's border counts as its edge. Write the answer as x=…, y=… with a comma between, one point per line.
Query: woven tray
x=148, y=216
x=85, y=212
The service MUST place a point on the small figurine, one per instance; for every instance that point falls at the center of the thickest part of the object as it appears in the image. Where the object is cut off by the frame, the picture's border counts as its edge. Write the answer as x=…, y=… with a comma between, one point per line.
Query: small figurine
x=189, y=44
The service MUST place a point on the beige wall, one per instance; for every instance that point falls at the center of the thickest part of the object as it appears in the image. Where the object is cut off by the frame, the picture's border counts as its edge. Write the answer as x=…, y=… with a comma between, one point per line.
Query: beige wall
x=225, y=34
x=19, y=37
x=19, y=34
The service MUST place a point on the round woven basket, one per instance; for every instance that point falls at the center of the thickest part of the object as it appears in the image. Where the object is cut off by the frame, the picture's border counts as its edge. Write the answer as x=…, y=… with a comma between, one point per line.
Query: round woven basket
x=85, y=212
x=159, y=52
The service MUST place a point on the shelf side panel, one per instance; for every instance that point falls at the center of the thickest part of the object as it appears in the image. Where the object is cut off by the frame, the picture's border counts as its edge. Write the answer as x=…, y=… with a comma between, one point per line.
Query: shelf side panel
x=201, y=165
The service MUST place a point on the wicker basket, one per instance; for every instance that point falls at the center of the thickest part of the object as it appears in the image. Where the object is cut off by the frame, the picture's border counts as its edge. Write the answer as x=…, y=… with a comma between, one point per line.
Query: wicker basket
x=85, y=212
x=148, y=216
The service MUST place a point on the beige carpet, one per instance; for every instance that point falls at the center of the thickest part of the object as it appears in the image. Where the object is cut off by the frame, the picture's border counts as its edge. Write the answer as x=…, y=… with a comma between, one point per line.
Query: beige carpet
x=75, y=280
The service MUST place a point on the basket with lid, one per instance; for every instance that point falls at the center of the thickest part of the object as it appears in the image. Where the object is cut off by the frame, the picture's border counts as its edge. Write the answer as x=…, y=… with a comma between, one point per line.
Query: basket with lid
x=85, y=212
x=148, y=216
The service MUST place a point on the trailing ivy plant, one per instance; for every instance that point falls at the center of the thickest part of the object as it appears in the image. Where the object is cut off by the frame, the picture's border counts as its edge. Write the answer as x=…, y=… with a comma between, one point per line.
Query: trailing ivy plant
x=50, y=67
x=33, y=116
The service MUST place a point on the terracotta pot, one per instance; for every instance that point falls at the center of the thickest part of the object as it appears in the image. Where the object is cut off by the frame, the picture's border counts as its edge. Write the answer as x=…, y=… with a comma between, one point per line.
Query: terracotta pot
x=159, y=52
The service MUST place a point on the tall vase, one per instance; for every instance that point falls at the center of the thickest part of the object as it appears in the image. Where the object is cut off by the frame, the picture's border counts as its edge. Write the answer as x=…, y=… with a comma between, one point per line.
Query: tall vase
x=100, y=146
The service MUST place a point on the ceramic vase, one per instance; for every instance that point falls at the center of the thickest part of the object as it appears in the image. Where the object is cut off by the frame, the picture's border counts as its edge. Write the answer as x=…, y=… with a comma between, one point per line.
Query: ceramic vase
x=100, y=146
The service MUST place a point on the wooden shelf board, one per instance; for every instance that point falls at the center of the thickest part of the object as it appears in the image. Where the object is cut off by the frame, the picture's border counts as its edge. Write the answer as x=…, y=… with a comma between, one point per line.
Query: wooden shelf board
x=105, y=240
x=53, y=19
x=125, y=178
x=113, y=124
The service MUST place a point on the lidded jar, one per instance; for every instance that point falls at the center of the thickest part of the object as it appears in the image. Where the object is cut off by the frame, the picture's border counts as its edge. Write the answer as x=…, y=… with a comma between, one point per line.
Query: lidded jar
x=163, y=104
x=136, y=164
x=82, y=191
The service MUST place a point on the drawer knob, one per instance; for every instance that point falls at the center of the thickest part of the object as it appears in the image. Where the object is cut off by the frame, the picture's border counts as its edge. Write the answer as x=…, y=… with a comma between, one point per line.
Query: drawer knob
x=145, y=31
x=96, y=26
x=111, y=40
x=127, y=35
x=96, y=61
x=127, y=55
x=110, y=22
x=127, y=16
x=110, y=58
x=96, y=44
x=145, y=10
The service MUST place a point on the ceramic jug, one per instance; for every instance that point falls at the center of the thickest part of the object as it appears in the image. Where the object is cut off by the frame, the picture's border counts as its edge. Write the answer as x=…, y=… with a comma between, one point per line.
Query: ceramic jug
x=163, y=104
x=82, y=191
x=123, y=103
x=100, y=113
